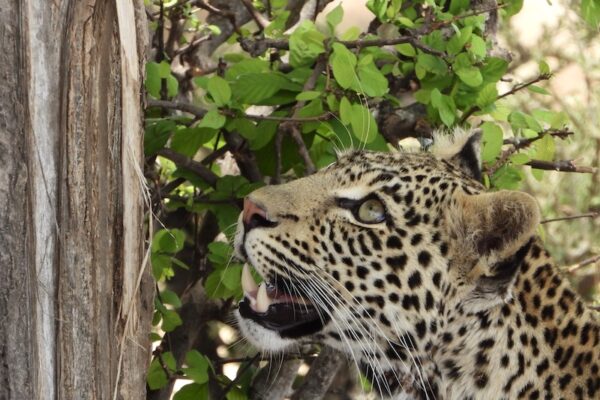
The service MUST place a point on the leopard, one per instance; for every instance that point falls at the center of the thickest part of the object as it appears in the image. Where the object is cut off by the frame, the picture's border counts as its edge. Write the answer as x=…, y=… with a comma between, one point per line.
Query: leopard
x=434, y=286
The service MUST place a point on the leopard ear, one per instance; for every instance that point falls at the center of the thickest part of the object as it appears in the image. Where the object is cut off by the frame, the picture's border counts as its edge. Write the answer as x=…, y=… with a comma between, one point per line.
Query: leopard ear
x=461, y=148
x=492, y=233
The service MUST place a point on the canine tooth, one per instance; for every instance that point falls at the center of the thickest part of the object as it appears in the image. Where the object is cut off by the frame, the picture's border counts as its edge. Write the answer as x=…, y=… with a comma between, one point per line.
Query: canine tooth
x=262, y=299
x=248, y=284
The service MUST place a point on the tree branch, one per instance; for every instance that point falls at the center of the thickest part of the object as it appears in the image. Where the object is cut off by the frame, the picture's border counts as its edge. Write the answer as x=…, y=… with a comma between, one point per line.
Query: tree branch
x=522, y=143
x=179, y=106
x=261, y=21
x=584, y=263
x=257, y=47
x=292, y=127
x=244, y=157
x=515, y=89
x=570, y=217
x=320, y=375
x=561, y=165
x=185, y=162
x=191, y=46
x=270, y=386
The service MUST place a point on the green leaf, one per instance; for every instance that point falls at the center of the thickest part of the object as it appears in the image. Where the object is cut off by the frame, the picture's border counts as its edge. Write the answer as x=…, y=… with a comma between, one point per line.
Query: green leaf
x=153, y=79
x=161, y=266
x=219, y=252
x=254, y=87
x=343, y=62
x=334, y=18
x=512, y=7
x=378, y=7
x=406, y=49
x=445, y=107
x=507, y=177
x=519, y=159
x=345, y=111
x=212, y=119
x=458, y=41
x=432, y=64
x=538, y=90
x=197, y=367
x=545, y=148
x=236, y=394
x=487, y=95
x=306, y=43
x=406, y=22
x=477, y=47
x=470, y=75
x=172, y=86
x=169, y=297
x=247, y=66
x=372, y=81
x=156, y=377
x=170, y=320
x=168, y=241
x=492, y=141
x=543, y=67
x=494, y=69
x=220, y=91
x=157, y=135
x=590, y=11
x=308, y=95
x=187, y=141
x=363, y=124
x=232, y=275
x=193, y=391
x=456, y=6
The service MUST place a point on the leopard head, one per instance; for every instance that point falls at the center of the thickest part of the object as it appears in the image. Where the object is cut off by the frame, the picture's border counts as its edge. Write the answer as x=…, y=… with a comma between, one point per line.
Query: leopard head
x=367, y=254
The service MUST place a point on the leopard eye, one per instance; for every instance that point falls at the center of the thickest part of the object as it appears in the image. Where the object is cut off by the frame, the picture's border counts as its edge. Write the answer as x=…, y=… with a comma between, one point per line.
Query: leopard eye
x=371, y=211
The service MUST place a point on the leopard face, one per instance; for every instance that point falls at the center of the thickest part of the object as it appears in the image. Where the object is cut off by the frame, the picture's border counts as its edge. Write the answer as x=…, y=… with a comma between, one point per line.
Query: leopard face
x=393, y=258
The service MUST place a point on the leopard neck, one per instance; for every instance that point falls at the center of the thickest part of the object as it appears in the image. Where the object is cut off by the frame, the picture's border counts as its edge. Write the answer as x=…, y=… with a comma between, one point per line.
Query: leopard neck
x=543, y=340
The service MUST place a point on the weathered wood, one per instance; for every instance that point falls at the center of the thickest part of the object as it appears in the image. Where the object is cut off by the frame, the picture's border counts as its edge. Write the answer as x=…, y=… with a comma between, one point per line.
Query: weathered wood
x=75, y=297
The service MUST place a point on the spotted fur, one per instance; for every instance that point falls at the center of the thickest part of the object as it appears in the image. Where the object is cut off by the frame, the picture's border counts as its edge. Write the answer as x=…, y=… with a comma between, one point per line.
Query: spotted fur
x=452, y=296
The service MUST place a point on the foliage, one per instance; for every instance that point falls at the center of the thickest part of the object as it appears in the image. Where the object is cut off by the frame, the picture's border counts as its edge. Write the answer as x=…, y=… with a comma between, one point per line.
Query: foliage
x=319, y=87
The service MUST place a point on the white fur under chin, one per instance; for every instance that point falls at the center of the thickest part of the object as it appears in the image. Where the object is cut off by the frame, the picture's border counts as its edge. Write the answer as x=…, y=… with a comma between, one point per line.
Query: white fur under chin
x=261, y=338
x=447, y=145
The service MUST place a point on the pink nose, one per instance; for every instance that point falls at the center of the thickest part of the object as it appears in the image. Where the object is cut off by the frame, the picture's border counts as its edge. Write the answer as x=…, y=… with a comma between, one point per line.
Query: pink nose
x=252, y=215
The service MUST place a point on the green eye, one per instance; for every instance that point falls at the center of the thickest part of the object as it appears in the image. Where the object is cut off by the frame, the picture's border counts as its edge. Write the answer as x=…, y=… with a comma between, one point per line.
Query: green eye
x=371, y=211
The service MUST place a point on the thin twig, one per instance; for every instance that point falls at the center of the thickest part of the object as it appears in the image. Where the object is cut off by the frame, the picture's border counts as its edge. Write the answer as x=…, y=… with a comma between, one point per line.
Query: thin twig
x=592, y=260
x=257, y=47
x=561, y=165
x=191, y=46
x=214, y=10
x=522, y=143
x=239, y=375
x=260, y=19
x=178, y=105
x=185, y=162
x=317, y=118
x=439, y=24
x=570, y=217
x=515, y=89
x=292, y=127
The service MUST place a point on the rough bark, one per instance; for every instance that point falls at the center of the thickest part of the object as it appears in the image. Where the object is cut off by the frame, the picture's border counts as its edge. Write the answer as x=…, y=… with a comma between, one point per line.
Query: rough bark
x=75, y=298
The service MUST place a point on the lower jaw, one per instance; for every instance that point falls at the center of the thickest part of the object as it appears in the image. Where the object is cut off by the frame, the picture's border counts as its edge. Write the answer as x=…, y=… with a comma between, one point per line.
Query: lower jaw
x=277, y=318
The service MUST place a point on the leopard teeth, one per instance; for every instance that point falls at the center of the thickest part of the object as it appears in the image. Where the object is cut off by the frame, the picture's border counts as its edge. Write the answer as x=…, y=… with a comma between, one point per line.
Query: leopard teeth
x=248, y=284
x=262, y=299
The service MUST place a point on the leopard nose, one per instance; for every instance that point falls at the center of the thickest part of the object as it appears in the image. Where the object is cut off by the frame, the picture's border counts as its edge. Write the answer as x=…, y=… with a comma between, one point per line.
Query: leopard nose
x=255, y=216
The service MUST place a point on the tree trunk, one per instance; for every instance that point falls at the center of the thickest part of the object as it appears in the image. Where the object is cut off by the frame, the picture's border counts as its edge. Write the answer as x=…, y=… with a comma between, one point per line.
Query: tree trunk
x=75, y=290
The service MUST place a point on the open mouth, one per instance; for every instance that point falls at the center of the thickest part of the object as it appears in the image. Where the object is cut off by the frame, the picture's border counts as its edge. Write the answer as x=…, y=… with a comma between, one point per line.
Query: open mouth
x=274, y=308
